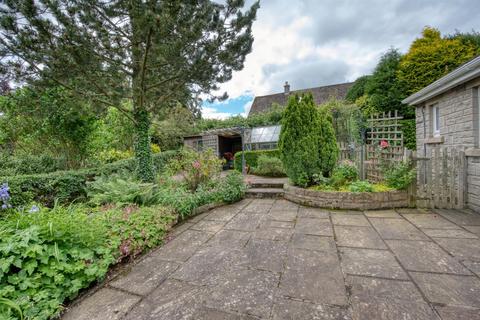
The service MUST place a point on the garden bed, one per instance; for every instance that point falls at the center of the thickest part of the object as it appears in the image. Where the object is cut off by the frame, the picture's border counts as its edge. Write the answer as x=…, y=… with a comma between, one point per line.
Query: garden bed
x=347, y=200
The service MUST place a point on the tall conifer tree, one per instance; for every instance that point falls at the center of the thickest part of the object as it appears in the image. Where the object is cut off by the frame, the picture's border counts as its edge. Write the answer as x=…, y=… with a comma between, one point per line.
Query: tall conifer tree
x=150, y=52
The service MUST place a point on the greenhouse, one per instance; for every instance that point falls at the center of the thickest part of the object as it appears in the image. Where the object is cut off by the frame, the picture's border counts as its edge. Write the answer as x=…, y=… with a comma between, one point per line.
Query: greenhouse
x=233, y=140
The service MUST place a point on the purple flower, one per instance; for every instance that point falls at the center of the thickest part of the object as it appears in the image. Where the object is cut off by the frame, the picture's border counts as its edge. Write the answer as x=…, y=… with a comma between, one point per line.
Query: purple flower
x=5, y=196
x=34, y=209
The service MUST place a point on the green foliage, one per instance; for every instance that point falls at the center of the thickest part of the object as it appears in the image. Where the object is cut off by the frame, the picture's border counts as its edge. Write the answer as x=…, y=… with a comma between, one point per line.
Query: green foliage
x=112, y=155
x=343, y=174
x=47, y=257
x=384, y=90
x=121, y=190
x=348, y=120
x=196, y=168
x=360, y=186
x=30, y=164
x=400, y=176
x=153, y=55
x=328, y=148
x=67, y=186
x=50, y=121
x=271, y=117
x=269, y=167
x=299, y=139
x=358, y=89
x=430, y=57
x=467, y=38
x=176, y=123
x=409, y=129
x=232, y=188
x=251, y=157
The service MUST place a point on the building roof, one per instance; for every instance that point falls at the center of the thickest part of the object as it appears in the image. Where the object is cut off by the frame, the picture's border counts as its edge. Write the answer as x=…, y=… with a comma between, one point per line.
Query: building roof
x=320, y=95
x=462, y=74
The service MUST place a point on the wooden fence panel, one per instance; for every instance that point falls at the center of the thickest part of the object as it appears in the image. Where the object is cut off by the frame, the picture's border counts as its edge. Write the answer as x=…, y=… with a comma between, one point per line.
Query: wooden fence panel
x=441, y=178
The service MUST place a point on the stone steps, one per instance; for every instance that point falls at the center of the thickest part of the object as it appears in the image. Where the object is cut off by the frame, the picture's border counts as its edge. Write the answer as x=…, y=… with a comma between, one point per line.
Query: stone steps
x=272, y=193
x=266, y=185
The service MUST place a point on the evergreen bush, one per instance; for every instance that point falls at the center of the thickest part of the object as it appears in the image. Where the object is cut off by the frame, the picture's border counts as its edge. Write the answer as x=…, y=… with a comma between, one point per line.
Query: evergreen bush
x=299, y=139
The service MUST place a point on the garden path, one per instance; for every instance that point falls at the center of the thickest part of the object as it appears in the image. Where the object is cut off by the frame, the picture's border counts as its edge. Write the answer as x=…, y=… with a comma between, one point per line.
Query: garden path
x=273, y=259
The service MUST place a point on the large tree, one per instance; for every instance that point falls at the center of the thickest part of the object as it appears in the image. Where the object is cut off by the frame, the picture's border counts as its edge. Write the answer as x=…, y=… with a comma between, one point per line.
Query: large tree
x=152, y=52
x=430, y=57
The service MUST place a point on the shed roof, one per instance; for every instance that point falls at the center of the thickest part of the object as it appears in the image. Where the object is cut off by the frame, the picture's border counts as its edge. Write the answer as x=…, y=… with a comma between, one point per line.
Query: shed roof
x=320, y=95
x=462, y=74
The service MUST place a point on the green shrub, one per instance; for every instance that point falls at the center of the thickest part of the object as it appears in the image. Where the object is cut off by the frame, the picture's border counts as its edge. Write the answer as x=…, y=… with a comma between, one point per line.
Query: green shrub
x=121, y=191
x=30, y=164
x=299, y=139
x=196, y=167
x=251, y=157
x=327, y=144
x=360, y=186
x=232, y=188
x=67, y=186
x=409, y=133
x=400, y=176
x=269, y=167
x=48, y=256
x=343, y=174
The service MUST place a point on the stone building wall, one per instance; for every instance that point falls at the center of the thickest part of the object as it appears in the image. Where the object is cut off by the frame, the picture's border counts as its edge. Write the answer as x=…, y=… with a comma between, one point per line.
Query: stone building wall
x=459, y=127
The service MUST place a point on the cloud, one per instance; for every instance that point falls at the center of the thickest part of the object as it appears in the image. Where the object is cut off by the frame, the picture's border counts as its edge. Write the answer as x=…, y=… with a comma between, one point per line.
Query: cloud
x=311, y=43
x=212, y=113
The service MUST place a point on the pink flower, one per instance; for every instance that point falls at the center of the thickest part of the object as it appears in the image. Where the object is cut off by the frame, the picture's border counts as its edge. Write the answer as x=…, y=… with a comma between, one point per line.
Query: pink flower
x=384, y=144
x=196, y=164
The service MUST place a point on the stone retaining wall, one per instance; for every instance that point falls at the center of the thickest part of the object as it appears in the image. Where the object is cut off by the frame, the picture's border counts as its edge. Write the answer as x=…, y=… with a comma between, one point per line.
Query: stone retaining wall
x=347, y=200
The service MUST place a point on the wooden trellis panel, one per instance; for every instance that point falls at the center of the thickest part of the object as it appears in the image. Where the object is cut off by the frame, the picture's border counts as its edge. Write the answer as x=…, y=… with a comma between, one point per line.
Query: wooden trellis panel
x=383, y=127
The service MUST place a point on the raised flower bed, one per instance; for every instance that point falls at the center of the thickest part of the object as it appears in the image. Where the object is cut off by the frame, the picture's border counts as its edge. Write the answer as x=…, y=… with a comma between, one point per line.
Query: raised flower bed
x=347, y=200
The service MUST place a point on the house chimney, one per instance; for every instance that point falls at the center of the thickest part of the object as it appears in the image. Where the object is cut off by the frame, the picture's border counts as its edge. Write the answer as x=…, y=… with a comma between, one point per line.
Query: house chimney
x=286, y=88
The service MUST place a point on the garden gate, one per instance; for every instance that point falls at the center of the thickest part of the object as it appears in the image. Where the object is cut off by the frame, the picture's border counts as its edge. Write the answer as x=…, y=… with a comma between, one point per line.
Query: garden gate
x=441, y=178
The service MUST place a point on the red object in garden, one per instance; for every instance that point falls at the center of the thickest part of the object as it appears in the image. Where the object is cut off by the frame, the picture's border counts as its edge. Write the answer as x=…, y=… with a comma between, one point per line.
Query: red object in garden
x=228, y=156
x=384, y=144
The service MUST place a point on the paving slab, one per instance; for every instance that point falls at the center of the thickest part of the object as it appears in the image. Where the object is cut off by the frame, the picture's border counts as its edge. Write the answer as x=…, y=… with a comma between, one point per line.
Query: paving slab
x=382, y=214
x=319, y=227
x=468, y=249
x=265, y=254
x=229, y=238
x=358, y=237
x=373, y=263
x=145, y=276
x=221, y=214
x=449, y=233
x=315, y=276
x=306, y=212
x=199, y=217
x=209, y=265
x=425, y=256
x=212, y=314
x=387, y=300
x=460, y=218
x=430, y=220
x=208, y=225
x=473, y=229
x=105, y=304
x=458, y=313
x=449, y=289
x=267, y=223
x=276, y=234
x=244, y=222
x=172, y=300
x=179, y=229
x=283, y=215
x=184, y=246
x=284, y=205
x=287, y=309
x=473, y=266
x=312, y=242
x=245, y=291
x=396, y=229
x=349, y=220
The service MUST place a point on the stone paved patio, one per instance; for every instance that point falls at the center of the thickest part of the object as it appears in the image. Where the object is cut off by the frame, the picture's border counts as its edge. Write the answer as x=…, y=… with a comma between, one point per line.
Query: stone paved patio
x=273, y=259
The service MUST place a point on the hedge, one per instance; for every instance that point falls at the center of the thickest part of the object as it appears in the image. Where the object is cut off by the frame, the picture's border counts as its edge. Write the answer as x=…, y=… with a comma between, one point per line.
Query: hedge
x=251, y=157
x=68, y=186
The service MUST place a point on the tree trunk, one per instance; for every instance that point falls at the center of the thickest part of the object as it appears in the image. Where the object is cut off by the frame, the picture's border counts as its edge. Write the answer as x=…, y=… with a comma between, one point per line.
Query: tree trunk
x=143, y=152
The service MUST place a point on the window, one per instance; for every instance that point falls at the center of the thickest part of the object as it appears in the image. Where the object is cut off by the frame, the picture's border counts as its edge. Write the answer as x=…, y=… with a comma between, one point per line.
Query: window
x=436, y=120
